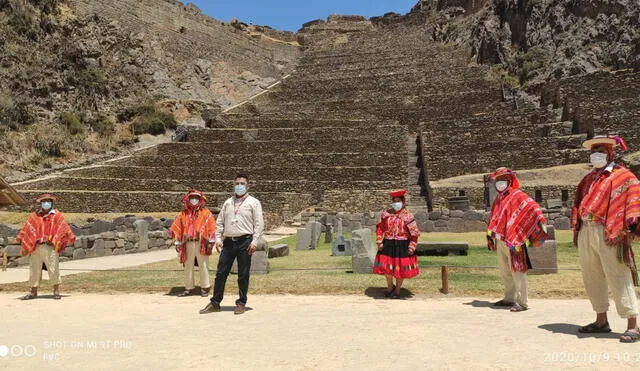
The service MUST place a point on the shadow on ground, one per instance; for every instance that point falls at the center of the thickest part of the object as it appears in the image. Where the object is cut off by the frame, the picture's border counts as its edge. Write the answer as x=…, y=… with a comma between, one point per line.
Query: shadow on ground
x=571, y=329
x=378, y=293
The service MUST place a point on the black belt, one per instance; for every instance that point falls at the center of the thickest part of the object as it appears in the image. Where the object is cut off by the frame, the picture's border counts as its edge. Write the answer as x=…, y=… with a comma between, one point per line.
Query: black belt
x=239, y=238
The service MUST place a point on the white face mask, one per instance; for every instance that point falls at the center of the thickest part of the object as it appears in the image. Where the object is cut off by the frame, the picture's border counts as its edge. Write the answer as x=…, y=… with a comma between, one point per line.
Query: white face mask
x=501, y=185
x=240, y=189
x=598, y=160
x=397, y=206
x=46, y=205
x=194, y=201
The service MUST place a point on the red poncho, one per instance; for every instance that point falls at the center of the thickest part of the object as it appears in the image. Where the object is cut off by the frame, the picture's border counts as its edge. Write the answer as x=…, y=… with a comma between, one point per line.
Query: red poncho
x=517, y=220
x=193, y=224
x=48, y=228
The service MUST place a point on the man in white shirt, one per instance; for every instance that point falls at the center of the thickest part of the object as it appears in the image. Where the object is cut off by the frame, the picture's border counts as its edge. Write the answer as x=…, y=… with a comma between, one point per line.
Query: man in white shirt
x=239, y=227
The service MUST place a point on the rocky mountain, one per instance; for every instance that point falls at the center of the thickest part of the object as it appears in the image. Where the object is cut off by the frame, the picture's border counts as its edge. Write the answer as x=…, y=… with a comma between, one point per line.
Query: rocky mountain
x=83, y=78
x=533, y=41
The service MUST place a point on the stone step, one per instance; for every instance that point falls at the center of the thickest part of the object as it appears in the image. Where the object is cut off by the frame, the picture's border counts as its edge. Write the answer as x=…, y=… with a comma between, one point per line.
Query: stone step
x=205, y=171
x=249, y=160
x=224, y=185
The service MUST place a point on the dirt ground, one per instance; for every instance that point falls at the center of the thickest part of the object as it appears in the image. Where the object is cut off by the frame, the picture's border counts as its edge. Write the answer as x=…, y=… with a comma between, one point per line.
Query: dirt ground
x=143, y=331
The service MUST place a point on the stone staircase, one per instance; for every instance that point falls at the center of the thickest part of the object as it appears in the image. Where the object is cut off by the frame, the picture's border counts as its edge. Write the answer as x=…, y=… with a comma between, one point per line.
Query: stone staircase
x=334, y=133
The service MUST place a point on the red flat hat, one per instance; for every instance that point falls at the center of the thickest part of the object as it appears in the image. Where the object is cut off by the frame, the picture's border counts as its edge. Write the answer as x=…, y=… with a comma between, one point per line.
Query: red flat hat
x=195, y=192
x=46, y=196
x=398, y=193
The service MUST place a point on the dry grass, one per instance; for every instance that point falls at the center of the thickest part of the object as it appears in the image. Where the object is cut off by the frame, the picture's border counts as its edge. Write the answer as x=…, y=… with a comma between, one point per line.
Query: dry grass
x=317, y=273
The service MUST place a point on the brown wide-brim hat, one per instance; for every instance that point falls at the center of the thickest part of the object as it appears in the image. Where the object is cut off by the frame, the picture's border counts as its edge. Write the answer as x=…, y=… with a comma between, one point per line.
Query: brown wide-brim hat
x=600, y=139
x=47, y=196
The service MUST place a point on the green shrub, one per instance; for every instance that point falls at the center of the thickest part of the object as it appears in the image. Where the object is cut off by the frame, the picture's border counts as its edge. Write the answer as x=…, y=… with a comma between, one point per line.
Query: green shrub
x=147, y=119
x=73, y=123
x=104, y=126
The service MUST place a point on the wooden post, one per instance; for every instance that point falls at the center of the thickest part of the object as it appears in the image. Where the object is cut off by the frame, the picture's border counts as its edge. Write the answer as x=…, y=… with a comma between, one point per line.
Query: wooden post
x=4, y=261
x=445, y=279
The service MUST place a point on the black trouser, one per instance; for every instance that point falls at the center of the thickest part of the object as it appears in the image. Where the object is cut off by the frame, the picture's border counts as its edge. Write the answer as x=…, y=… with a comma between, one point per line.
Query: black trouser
x=232, y=250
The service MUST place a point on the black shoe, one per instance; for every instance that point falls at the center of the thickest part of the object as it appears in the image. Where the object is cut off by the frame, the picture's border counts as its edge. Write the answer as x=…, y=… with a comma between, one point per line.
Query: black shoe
x=210, y=308
x=204, y=292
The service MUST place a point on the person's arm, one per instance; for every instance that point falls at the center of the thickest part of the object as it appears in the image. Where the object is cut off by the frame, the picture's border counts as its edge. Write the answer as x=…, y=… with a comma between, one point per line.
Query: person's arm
x=220, y=224
x=380, y=233
x=258, y=223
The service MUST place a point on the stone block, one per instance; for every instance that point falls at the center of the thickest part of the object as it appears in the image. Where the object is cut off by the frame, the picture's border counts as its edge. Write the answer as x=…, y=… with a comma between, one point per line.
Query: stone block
x=158, y=234
x=441, y=223
x=142, y=229
x=562, y=223
x=278, y=251
x=442, y=248
x=81, y=242
x=457, y=214
x=118, y=252
x=99, y=244
x=12, y=250
x=108, y=235
x=121, y=228
x=474, y=215
x=259, y=263
x=100, y=226
x=120, y=243
x=456, y=225
x=551, y=231
x=435, y=215
x=111, y=244
x=363, y=251
x=341, y=247
x=68, y=251
x=475, y=226
x=308, y=237
x=133, y=237
x=544, y=259
x=427, y=226
x=167, y=223
x=79, y=254
x=156, y=225
x=128, y=245
x=11, y=241
x=554, y=203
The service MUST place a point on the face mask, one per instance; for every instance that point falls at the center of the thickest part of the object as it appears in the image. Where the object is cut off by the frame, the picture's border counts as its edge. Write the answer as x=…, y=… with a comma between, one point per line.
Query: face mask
x=501, y=185
x=194, y=201
x=397, y=206
x=240, y=189
x=46, y=205
x=598, y=160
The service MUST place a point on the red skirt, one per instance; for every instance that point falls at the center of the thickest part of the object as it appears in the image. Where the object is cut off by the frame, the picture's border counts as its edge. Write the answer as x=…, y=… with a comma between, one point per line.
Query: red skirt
x=394, y=259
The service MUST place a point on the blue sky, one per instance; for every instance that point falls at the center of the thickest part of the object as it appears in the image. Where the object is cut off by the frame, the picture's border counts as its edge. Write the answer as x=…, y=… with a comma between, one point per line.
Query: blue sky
x=289, y=15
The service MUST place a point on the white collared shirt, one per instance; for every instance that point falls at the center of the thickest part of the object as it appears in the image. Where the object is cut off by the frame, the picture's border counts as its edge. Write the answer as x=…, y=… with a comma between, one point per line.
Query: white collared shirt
x=239, y=217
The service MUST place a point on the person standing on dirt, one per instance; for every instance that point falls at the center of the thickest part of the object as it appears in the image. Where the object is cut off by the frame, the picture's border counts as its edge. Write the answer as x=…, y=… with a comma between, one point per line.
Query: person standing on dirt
x=44, y=237
x=516, y=222
x=193, y=233
x=397, y=236
x=240, y=226
x=605, y=219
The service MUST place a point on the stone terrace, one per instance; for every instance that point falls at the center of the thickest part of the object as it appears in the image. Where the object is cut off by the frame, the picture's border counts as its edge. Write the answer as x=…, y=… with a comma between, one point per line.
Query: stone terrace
x=340, y=131
x=600, y=104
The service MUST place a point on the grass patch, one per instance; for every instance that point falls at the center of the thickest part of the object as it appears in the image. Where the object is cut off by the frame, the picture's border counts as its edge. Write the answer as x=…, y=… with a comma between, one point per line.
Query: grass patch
x=316, y=272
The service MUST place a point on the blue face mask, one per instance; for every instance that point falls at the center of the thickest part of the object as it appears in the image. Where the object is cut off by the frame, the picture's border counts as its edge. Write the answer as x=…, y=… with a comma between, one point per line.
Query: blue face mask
x=397, y=206
x=194, y=201
x=240, y=189
x=46, y=205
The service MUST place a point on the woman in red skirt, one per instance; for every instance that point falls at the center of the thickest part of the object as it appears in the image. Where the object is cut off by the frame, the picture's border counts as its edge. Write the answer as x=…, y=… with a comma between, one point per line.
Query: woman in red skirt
x=396, y=237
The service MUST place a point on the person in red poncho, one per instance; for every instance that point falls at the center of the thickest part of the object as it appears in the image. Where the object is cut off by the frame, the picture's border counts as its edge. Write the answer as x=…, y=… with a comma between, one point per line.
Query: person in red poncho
x=516, y=221
x=193, y=233
x=44, y=237
x=396, y=238
x=605, y=219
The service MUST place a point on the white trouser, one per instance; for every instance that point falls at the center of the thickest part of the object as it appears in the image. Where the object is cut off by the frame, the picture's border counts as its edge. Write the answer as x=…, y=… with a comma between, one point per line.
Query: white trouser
x=515, y=283
x=43, y=254
x=193, y=252
x=602, y=270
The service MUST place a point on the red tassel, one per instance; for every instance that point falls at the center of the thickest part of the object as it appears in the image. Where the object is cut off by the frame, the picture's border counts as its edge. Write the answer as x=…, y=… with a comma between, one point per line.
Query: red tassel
x=620, y=142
